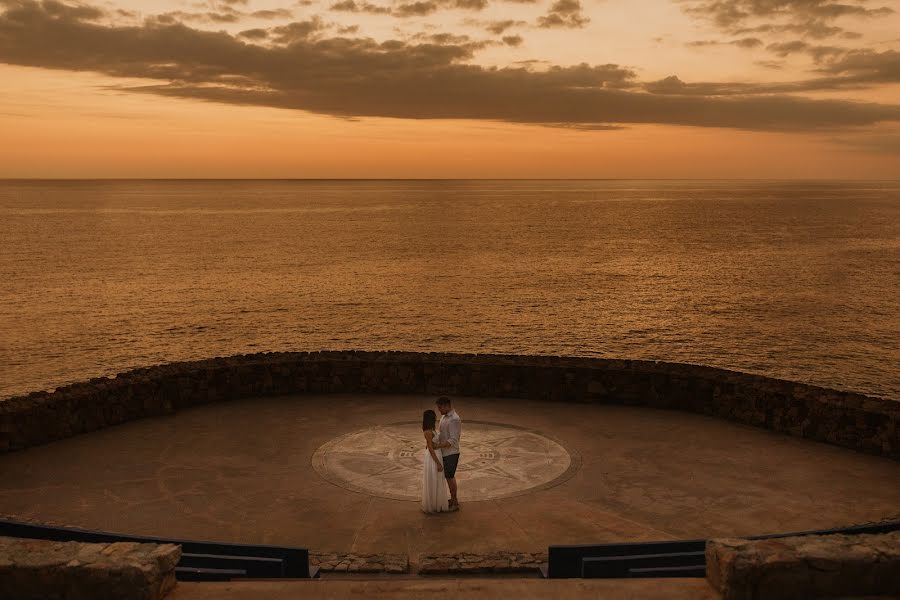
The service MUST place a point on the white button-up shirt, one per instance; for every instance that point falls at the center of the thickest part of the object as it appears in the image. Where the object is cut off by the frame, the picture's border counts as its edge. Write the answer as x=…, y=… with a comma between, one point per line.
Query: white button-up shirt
x=450, y=431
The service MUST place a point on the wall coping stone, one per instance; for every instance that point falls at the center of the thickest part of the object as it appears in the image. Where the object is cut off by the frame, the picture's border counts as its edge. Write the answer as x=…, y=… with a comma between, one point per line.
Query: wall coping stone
x=494, y=563
x=40, y=569
x=805, y=566
x=863, y=423
x=356, y=563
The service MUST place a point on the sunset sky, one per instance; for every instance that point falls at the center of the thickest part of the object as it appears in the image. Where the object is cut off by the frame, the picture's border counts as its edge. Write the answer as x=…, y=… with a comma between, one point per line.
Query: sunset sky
x=450, y=88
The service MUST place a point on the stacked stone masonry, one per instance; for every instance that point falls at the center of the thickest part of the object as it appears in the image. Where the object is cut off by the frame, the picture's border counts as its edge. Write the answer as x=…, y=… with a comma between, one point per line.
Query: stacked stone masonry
x=473, y=564
x=846, y=419
x=43, y=570
x=338, y=562
x=797, y=568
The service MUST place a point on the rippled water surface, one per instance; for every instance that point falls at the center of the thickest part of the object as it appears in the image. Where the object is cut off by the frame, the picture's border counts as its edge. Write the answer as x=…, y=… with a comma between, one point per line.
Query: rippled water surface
x=792, y=280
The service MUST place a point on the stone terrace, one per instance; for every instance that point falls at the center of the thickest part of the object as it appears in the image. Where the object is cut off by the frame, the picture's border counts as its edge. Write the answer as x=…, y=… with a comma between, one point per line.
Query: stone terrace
x=241, y=471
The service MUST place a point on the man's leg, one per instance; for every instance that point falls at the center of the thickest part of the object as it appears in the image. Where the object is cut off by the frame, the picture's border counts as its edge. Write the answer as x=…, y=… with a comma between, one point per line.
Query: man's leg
x=451, y=483
x=450, y=464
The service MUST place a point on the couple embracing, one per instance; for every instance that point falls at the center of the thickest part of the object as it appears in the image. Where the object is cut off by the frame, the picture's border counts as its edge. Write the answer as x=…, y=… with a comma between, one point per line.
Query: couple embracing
x=441, y=457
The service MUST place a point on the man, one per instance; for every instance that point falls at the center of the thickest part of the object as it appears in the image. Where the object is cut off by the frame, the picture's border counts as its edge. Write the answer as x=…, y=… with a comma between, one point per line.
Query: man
x=449, y=430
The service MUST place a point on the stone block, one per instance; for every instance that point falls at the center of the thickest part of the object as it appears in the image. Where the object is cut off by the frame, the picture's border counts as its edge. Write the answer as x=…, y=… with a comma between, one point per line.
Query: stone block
x=805, y=567
x=40, y=570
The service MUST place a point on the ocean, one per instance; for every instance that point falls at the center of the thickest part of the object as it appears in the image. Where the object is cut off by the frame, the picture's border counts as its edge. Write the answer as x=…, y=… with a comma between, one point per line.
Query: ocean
x=796, y=280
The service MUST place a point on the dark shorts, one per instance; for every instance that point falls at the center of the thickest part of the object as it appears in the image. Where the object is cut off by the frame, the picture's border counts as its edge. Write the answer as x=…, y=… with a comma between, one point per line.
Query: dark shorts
x=450, y=464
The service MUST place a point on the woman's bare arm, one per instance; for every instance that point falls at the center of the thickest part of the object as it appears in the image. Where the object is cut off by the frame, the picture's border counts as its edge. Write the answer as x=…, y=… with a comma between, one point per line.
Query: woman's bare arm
x=430, y=442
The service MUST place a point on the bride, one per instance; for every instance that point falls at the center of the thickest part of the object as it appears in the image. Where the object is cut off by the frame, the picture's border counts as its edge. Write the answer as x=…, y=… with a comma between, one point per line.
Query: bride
x=434, y=499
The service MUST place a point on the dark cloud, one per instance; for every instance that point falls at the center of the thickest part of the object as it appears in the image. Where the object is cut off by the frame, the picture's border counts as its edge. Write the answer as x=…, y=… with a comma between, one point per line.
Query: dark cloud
x=228, y=16
x=749, y=42
x=864, y=67
x=297, y=31
x=564, y=13
x=347, y=30
x=495, y=27
x=586, y=126
x=443, y=38
x=807, y=18
x=254, y=34
x=360, y=7
x=277, y=13
x=817, y=52
x=783, y=49
x=499, y=27
x=468, y=4
x=513, y=40
x=838, y=69
x=417, y=8
x=221, y=14
x=770, y=64
x=810, y=29
x=358, y=77
x=730, y=13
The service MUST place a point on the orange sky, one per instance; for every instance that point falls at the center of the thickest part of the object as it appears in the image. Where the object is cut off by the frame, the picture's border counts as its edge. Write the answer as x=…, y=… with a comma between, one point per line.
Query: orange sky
x=576, y=89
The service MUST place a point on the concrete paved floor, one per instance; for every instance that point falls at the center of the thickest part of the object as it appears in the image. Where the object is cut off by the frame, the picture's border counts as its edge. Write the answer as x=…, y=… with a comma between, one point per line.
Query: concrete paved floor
x=241, y=471
x=450, y=589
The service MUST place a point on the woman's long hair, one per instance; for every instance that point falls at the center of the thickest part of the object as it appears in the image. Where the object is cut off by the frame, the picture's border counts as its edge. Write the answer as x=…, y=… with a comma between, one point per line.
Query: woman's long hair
x=429, y=418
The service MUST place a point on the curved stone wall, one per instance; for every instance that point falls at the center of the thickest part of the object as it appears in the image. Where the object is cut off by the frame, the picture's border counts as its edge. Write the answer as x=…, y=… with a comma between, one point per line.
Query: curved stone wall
x=846, y=419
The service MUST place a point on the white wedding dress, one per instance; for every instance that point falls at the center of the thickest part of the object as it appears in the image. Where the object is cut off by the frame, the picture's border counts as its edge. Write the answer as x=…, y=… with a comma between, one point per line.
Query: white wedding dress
x=434, y=494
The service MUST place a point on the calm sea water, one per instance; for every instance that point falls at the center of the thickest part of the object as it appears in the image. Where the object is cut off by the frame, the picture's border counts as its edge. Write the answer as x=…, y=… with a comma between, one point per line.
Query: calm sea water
x=792, y=280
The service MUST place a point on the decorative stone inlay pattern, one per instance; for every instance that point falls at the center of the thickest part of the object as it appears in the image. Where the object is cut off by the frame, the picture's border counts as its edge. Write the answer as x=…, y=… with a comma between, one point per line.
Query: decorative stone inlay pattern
x=494, y=562
x=496, y=461
x=336, y=562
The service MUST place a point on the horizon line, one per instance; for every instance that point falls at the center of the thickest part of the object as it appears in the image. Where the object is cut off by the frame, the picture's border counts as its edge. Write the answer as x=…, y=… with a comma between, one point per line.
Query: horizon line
x=786, y=179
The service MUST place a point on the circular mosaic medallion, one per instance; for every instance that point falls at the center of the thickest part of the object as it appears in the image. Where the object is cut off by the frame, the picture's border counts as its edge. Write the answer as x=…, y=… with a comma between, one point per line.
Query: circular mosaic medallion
x=496, y=461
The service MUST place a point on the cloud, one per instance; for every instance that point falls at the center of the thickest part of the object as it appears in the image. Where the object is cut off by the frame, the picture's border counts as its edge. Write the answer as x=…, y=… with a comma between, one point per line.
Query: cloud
x=728, y=13
x=818, y=53
x=513, y=40
x=808, y=18
x=864, y=67
x=228, y=16
x=345, y=77
x=564, y=13
x=221, y=14
x=874, y=142
x=360, y=7
x=254, y=34
x=810, y=29
x=296, y=31
x=785, y=48
x=838, y=69
x=444, y=39
x=748, y=42
x=770, y=64
x=420, y=8
x=416, y=8
x=277, y=13
x=495, y=27
x=499, y=27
